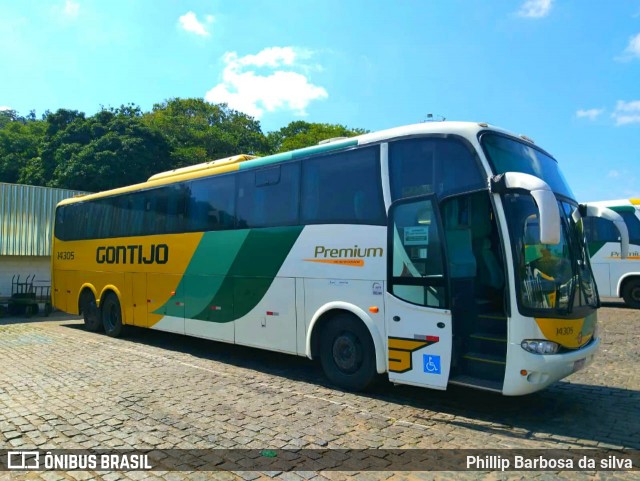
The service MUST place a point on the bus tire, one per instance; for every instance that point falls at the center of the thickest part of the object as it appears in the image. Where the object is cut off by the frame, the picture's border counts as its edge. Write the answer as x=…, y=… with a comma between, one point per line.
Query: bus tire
x=90, y=312
x=631, y=293
x=112, y=315
x=347, y=353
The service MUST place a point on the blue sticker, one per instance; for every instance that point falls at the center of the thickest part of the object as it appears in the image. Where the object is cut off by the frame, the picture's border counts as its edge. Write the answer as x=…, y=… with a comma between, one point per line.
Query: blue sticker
x=431, y=364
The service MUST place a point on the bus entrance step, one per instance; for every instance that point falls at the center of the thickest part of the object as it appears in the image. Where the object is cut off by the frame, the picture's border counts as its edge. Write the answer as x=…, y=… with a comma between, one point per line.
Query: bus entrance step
x=489, y=336
x=482, y=357
x=486, y=384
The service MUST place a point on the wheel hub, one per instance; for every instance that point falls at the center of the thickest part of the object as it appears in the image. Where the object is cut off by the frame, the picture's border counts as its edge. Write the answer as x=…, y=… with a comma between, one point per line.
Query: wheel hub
x=111, y=317
x=347, y=353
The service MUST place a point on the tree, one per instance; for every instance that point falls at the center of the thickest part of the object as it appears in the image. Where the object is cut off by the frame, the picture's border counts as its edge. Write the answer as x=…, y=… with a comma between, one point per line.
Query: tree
x=6, y=116
x=199, y=131
x=111, y=149
x=301, y=134
x=20, y=139
x=63, y=129
x=122, y=146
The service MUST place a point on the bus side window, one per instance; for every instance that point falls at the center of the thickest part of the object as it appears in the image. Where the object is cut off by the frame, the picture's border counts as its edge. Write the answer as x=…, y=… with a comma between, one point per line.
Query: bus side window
x=175, y=208
x=601, y=230
x=136, y=216
x=633, y=225
x=344, y=188
x=60, y=227
x=269, y=197
x=432, y=165
x=151, y=217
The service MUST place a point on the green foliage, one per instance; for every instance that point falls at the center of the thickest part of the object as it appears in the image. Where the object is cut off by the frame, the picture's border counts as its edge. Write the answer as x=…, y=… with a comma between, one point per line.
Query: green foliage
x=7, y=116
x=301, y=134
x=124, y=145
x=111, y=149
x=19, y=142
x=199, y=131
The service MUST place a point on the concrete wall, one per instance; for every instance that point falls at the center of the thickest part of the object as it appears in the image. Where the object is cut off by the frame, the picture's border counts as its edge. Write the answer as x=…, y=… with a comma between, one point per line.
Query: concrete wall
x=25, y=266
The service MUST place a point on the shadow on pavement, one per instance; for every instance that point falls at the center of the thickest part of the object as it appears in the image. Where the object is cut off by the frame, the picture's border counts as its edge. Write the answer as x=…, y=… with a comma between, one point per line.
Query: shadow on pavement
x=616, y=304
x=568, y=412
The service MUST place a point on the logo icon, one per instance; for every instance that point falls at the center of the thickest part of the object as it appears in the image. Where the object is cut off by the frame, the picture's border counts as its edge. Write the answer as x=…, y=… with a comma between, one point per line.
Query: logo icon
x=431, y=364
x=23, y=459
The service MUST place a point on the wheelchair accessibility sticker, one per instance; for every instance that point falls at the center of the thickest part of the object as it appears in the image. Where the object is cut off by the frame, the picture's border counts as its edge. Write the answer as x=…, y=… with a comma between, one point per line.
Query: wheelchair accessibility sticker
x=431, y=364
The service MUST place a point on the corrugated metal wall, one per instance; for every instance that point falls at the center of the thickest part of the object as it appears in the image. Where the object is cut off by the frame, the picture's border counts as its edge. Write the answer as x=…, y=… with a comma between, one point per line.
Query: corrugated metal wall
x=26, y=218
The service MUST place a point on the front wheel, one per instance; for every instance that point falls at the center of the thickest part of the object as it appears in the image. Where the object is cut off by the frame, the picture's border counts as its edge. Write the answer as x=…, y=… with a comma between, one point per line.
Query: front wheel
x=631, y=293
x=112, y=315
x=347, y=353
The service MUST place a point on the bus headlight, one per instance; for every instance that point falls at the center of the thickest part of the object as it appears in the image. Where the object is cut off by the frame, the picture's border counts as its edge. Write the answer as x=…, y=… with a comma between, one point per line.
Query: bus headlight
x=540, y=347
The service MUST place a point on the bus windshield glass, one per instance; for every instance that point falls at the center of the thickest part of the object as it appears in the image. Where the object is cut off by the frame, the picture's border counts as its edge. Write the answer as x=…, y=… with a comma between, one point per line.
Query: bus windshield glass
x=549, y=277
x=508, y=155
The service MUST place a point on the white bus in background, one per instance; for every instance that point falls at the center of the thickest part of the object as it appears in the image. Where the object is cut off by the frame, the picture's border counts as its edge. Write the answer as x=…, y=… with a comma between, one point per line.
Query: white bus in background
x=616, y=276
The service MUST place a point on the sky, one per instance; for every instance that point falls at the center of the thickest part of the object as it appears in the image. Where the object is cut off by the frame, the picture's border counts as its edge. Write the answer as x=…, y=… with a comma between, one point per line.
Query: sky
x=564, y=72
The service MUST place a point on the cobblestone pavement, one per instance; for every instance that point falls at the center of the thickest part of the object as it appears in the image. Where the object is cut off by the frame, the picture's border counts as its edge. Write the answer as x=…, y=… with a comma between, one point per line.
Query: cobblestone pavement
x=63, y=387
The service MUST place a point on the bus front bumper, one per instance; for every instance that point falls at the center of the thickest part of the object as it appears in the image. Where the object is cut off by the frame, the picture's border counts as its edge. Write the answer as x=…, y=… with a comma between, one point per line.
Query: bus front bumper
x=533, y=372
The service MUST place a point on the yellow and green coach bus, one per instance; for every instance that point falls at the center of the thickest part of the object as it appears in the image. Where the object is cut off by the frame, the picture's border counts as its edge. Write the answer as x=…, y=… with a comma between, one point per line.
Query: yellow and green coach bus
x=438, y=253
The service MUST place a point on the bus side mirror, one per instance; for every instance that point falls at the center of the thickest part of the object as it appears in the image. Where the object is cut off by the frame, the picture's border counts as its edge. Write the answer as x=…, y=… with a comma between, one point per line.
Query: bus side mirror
x=542, y=195
x=590, y=210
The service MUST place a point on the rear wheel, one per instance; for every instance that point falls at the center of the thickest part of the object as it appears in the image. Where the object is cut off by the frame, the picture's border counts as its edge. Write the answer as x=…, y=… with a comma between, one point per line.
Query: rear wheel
x=347, y=353
x=111, y=315
x=631, y=293
x=90, y=312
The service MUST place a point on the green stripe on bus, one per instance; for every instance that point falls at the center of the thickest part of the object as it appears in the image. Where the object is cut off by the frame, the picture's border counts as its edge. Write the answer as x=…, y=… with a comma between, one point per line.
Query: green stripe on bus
x=251, y=275
x=296, y=154
x=594, y=247
x=225, y=278
x=623, y=208
x=213, y=258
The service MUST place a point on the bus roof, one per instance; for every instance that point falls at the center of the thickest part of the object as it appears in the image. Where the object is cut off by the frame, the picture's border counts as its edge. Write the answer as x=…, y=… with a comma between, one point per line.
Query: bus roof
x=617, y=203
x=243, y=161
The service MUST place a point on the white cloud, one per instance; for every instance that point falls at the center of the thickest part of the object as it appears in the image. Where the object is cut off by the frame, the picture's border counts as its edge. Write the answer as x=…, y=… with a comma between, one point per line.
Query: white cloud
x=4, y=107
x=280, y=89
x=535, y=8
x=591, y=114
x=613, y=174
x=190, y=23
x=65, y=12
x=633, y=49
x=627, y=112
x=71, y=9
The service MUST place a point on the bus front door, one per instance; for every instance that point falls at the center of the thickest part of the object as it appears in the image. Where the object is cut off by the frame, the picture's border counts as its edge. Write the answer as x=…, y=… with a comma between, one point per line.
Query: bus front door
x=417, y=316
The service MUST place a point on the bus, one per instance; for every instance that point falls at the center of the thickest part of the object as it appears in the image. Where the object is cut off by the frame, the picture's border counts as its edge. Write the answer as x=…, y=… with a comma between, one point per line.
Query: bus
x=433, y=254
x=616, y=268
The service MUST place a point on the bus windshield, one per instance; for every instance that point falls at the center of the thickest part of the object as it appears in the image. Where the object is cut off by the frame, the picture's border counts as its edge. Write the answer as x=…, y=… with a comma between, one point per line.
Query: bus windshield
x=549, y=277
x=508, y=155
